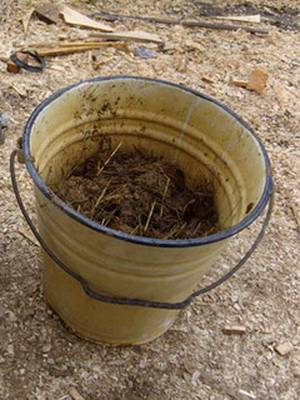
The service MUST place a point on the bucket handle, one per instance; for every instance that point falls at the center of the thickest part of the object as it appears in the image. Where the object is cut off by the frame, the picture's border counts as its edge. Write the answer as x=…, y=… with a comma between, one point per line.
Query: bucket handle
x=125, y=301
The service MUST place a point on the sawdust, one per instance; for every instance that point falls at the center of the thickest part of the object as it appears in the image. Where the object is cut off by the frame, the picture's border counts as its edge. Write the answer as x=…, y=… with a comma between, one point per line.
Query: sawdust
x=42, y=360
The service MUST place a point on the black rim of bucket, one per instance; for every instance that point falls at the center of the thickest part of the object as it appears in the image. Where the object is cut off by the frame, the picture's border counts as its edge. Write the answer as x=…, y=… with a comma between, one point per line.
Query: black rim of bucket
x=40, y=183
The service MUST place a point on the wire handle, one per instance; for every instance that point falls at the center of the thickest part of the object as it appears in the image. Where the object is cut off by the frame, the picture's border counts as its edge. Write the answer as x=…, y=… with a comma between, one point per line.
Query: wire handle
x=125, y=301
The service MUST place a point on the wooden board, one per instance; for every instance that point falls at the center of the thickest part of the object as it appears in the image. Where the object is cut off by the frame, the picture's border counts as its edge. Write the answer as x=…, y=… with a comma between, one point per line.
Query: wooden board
x=138, y=36
x=69, y=48
x=241, y=18
x=74, y=17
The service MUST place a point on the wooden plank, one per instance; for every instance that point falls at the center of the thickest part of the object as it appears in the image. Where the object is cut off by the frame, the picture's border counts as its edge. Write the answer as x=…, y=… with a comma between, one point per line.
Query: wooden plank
x=74, y=17
x=69, y=49
x=138, y=36
x=241, y=18
x=226, y=27
x=82, y=43
x=187, y=23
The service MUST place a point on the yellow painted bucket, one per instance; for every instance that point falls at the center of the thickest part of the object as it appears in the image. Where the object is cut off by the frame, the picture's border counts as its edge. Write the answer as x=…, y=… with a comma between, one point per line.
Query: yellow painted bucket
x=114, y=287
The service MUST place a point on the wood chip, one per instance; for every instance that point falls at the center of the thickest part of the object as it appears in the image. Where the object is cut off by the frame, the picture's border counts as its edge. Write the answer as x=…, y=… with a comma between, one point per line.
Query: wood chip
x=207, y=79
x=234, y=330
x=258, y=80
x=138, y=36
x=242, y=18
x=73, y=17
x=75, y=394
x=284, y=348
x=239, y=83
x=48, y=13
x=248, y=395
x=22, y=92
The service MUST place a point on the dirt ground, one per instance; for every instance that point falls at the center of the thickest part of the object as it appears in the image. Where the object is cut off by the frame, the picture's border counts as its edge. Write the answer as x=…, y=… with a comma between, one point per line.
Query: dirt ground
x=39, y=358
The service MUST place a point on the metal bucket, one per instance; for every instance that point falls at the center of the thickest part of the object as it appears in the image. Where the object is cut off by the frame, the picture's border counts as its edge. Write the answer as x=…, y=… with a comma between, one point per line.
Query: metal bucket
x=114, y=287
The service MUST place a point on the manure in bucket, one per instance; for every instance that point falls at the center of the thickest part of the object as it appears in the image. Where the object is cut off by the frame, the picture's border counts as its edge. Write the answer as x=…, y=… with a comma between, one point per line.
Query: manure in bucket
x=140, y=194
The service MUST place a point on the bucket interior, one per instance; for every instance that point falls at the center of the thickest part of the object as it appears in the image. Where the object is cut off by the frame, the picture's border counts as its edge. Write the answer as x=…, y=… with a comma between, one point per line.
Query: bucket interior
x=200, y=136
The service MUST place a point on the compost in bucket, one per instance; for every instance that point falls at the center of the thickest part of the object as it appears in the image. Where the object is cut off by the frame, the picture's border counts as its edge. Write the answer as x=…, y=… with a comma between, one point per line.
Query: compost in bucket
x=141, y=194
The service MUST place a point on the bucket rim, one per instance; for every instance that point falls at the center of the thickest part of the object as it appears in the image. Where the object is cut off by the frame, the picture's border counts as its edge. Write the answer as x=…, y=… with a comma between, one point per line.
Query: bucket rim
x=147, y=241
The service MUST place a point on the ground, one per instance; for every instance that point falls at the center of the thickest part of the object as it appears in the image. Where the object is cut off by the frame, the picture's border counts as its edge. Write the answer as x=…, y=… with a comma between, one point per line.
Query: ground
x=39, y=358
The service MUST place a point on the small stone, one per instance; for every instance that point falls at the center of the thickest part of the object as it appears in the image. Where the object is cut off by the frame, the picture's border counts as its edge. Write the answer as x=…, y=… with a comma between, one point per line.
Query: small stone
x=284, y=348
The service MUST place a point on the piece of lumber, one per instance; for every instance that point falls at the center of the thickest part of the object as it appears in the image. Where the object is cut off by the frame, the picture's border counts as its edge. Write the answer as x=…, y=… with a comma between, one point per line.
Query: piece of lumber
x=82, y=43
x=69, y=49
x=113, y=17
x=48, y=12
x=189, y=24
x=226, y=27
x=234, y=330
x=240, y=18
x=73, y=17
x=284, y=348
x=138, y=36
